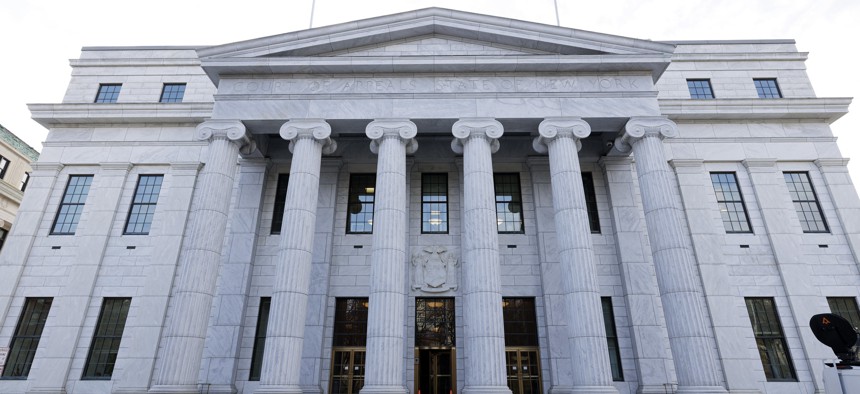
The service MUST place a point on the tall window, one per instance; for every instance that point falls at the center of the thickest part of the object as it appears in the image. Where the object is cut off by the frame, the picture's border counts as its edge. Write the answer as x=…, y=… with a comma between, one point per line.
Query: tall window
x=106, y=339
x=280, y=203
x=434, y=203
x=770, y=339
x=348, y=347
x=24, y=181
x=172, y=93
x=143, y=205
x=700, y=88
x=3, y=234
x=522, y=352
x=72, y=205
x=612, y=339
x=108, y=92
x=847, y=308
x=767, y=88
x=509, y=203
x=591, y=202
x=359, y=216
x=731, y=202
x=4, y=165
x=25, y=340
x=805, y=202
x=260, y=338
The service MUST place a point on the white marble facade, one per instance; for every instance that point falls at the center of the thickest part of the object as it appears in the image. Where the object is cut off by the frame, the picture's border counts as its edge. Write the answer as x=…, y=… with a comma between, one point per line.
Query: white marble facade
x=434, y=91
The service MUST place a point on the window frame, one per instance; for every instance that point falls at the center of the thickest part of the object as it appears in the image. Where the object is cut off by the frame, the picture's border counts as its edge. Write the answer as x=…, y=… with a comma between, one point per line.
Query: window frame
x=256, y=368
x=851, y=307
x=612, y=340
x=27, y=312
x=62, y=203
x=3, y=234
x=353, y=199
x=694, y=90
x=134, y=204
x=815, y=200
x=428, y=202
x=108, y=97
x=280, y=203
x=766, y=92
x=742, y=201
x=515, y=198
x=115, y=337
x=590, y=192
x=4, y=166
x=172, y=97
x=779, y=339
x=25, y=180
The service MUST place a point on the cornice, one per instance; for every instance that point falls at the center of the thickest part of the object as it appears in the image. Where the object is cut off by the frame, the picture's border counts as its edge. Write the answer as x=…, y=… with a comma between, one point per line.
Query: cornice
x=740, y=56
x=50, y=115
x=10, y=191
x=134, y=62
x=827, y=109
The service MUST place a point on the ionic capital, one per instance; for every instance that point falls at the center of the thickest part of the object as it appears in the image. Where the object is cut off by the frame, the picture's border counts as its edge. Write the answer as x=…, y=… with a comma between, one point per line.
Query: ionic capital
x=402, y=129
x=316, y=129
x=486, y=128
x=554, y=128
x=640, y=127
x=231, y=130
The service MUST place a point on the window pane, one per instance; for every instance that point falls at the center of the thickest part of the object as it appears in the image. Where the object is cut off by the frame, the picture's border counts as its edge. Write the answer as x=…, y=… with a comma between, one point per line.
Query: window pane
x=847, y=308
x=612, y=339
x=591, y=202
x=350, y=322
x=520, y=321
x=4, y=165
x=509, y=203
x=172, y=93
x=280, y=202
x=767, y=88
x=359, y=216
x=700, y=88
x=72, y=204
x=260, y=338
x=434, y=203
x=108, y=93
x=770, y=339
x=143, y=204
x=106, y=339
x=805, y=202
x=731, y=203
x=434, y=322
x=25, y=341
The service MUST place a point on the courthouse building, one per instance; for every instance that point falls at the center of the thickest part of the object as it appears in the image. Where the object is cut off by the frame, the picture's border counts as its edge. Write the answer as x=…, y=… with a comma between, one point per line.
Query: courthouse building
x=432, y=202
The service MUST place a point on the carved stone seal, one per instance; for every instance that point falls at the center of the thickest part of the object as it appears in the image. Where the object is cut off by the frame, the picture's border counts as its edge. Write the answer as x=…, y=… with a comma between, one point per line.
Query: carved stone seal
x=434, y=270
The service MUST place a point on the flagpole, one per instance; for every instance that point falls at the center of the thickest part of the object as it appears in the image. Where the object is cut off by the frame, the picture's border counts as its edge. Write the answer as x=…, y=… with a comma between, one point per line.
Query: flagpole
x=557, y=21
x=314, y=3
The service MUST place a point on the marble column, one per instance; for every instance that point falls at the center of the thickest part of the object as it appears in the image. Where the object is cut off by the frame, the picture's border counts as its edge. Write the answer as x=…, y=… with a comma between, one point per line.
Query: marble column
x=690, y=334
x=591, y=372
x=183, y=339
x=477, y=139
x=309, y=139
x=392, y=140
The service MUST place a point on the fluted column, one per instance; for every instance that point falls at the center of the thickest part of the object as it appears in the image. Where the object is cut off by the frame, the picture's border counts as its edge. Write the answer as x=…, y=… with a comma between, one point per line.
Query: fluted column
x=184, y=335
x=309, y=139
x=477, y=140
x=690, y=335
x=591, y=371
x=392, y=140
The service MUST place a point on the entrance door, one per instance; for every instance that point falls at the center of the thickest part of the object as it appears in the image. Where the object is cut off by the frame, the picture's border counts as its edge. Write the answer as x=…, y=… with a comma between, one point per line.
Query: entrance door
x=435, y=371
x=523, y=370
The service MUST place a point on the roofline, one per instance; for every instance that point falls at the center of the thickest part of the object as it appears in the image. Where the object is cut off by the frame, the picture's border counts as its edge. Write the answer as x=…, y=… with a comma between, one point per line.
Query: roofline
x=144, y=48
x=32, y=154
x=732, y=42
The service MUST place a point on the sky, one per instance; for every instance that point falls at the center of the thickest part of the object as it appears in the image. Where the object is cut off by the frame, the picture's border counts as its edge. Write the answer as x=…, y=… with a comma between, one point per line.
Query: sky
x=39, y=37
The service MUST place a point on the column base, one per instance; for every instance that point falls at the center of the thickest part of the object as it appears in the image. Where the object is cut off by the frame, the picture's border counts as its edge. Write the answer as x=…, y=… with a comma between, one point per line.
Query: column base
x=593, y=389
x=383, y=390
x=47, y=390
x=174, y=389
x=312, y=390
x=219, y=389
x=655, y=389
x=278, y=389
x=486, y=390
x=701, y=390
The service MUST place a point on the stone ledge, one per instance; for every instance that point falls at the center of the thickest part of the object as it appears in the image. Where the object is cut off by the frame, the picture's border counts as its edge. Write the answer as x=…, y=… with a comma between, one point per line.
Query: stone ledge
x=825, y=109
x=50, y=115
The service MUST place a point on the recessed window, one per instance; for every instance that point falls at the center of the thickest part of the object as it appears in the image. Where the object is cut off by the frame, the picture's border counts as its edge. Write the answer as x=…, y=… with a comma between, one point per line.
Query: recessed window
x=143, y=205
x=280, y=203
x=72, y=205
x=24, y=181
x=522, y=352
x=108, y=92
x=767, y=88
x=591, y=202
x=172, y=93
x=3, y=234
x=612, y=339
x=770, y=340
x=260, y=338
x=509, y=203
x=731, y=202
x=700, y=88
x=4, y=165
x=25, y=340
x=805, y=202
x=106, y=339
x=348, y=346
x=362, y=194
x=847, y=308
x=434, y=203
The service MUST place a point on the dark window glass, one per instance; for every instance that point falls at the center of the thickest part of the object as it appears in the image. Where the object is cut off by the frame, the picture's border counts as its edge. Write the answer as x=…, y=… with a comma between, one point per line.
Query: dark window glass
x=4, y=165
x=847, y=308
x=3, y=234
x=700, y=88
x=24, y=181
x=520, y=321
x=767, y=88
x=350, y=322
x=770, y=339
x=260, y=338
x=731, y=202
x=434, y=203
x=143, y=205
x=25, y=341
x=72, y=205
x=172, y=93
x=347, y=370
x=805, y=202
x=434, y=322
x=509, y=203
x=280, y=202
x=348, y=351
x=106, y=339
x=591, y=202
x=612, y=339
x=359, y=216
x=108, y=92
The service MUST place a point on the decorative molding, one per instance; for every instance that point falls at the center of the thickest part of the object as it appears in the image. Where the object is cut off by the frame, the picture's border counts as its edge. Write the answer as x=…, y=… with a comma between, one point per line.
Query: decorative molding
x=18, y=144
x=190, y=166
x=676, y=163
x=49, y=115
x=639, y=127
x=116, y=166
x=552, y=128
x=831, y=163
x=317, y=129
x=488, y=128
x=759, y=164
x=232, y=130
x=434, y=270
x=404, y=129
x=41, y=166
x=828, y=109
x=613, y=163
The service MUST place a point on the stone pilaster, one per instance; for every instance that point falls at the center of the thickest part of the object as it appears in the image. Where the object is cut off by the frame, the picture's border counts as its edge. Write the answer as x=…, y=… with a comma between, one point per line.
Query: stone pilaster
x=183, y=338
x=477, y=140
x=690, y=334
x=844, y=196
x=391, y=140
x=309, y=139
x=560, y=137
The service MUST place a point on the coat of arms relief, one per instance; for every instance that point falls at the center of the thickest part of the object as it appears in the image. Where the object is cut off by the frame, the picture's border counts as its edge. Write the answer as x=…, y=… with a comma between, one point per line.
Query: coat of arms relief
x=434, y=270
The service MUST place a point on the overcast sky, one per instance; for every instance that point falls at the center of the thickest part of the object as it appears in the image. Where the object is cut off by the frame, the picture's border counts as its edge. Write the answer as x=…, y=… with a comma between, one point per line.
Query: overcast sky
x=38, y=37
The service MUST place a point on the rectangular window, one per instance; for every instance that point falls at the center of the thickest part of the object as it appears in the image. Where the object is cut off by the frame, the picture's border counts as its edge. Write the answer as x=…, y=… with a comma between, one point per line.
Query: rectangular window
x=106, y=339
x=280, y=202
x=612, y=339
x=24, y=181
x=108, y=92
x=770, y=339
x=359, y=216
x=4, y=165
x=172, y=93
x=847, y=308
x=434, y=203
x=143, y=205
x=25, y=340
x=591, y=202
x=3, y=234
x=348, y=347
x=72, y=205
x=700, y=88
x=731, y=202
x=260, y=338
x=767, y=88
x=509, y=203
x=805, y=202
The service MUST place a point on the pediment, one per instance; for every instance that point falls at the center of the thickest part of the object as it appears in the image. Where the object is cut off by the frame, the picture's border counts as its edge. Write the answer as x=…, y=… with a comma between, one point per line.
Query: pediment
x=436, y=45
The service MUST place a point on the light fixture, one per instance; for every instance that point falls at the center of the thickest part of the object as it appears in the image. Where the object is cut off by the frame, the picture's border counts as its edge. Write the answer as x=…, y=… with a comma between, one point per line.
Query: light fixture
x=369, y=190
x=434, y=304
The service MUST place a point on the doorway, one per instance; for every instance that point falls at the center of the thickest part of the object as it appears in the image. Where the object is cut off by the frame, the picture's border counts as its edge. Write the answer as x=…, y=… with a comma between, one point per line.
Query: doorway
x=435, y=371
x=435, y=353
